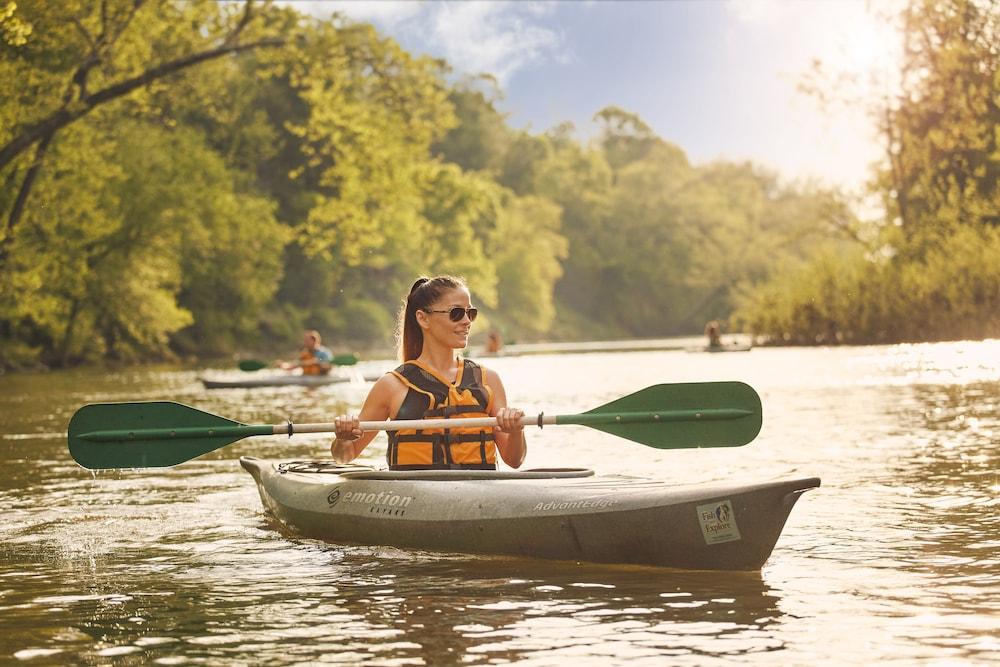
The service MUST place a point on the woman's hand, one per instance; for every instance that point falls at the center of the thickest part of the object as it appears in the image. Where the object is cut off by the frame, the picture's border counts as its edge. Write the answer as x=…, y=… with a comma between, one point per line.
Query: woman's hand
x=509, y=420
x=348, y=429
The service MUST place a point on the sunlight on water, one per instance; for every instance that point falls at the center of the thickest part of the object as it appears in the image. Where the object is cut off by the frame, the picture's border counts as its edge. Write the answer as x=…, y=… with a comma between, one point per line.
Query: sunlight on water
x=895, y=557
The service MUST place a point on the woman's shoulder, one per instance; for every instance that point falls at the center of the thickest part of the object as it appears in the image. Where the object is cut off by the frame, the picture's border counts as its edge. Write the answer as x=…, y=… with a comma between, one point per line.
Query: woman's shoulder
x=389, y=383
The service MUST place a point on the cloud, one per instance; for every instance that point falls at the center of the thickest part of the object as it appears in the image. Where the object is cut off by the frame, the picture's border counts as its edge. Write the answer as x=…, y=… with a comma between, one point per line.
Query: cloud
x=496, y=37
x=499, y=38
x=757, y=12
x=387, y=13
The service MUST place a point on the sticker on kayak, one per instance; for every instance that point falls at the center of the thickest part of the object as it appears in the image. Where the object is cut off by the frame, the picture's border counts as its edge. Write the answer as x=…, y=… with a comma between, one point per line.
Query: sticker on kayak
x=383, y=502
x=718, y=522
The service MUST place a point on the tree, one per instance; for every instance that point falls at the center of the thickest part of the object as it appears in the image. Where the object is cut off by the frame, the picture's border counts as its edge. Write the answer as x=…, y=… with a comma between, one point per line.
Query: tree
x=930, y=272
x=94, y=46
x=943, y=157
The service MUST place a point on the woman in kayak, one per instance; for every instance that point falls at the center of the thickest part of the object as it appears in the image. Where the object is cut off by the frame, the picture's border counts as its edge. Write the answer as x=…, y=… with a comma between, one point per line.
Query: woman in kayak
x=432, y=383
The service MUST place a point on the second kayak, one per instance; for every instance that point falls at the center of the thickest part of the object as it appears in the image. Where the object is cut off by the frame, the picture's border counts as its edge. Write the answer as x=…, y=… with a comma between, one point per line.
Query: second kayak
x=734, y=347
x=278, y=379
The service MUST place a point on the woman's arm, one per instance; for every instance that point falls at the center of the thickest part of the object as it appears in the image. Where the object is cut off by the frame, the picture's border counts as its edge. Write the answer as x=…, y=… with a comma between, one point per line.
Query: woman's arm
x=382, y=401
x=509, y=434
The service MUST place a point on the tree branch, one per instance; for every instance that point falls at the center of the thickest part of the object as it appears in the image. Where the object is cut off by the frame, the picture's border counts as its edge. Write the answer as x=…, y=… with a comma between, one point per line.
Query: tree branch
x=244, y=20
x=66, y=115
x=22, y=198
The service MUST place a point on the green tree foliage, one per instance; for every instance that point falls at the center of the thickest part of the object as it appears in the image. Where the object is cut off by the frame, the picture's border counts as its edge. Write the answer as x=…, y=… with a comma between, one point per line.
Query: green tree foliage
x=528, y=248
x=930, y=271
x=142, y=235
x=952, y=292
x=481, y=137
x=640, y=219
x=89, y=249
x=196, y=177
x=943, y=161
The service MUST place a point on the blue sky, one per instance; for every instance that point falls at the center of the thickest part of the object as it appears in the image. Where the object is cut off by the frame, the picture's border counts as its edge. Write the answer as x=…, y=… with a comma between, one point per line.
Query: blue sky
x=719, y=78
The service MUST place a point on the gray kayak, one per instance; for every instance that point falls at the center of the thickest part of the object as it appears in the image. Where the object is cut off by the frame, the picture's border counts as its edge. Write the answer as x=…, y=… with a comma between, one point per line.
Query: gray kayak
x=562, y=514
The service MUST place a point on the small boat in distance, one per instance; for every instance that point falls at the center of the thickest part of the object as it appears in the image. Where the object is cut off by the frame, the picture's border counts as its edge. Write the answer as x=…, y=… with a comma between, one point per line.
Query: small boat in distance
x=730, y=347
x=275, y=378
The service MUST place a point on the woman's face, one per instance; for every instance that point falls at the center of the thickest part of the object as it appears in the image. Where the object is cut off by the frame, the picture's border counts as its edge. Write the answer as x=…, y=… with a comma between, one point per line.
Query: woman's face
x=439, y=326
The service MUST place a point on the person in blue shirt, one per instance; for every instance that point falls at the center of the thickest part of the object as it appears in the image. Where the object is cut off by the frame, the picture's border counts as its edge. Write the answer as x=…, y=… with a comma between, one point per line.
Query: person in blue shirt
x=314, y=358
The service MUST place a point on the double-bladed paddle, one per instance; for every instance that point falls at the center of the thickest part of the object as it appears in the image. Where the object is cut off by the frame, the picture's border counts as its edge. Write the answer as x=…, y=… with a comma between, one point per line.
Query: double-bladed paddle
x=163, y=433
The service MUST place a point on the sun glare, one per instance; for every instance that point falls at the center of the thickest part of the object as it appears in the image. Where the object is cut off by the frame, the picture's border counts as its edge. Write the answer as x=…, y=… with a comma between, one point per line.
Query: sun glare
x=866, y=43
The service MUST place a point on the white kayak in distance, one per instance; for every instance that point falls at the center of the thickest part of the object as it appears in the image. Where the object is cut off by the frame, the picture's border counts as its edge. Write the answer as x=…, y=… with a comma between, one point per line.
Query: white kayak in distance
x=561, y=514
x=729, y=347
x=275, y=378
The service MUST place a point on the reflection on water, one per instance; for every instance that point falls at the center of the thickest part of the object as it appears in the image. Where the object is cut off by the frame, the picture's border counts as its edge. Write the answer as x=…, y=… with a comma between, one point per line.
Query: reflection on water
x=895, y=557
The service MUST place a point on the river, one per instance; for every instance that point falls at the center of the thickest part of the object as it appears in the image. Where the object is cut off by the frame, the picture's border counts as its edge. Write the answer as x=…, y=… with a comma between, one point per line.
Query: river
x=896, y=557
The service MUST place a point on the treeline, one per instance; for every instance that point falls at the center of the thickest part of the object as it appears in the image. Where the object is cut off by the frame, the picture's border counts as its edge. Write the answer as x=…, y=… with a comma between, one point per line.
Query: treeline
x=195, y=178
x=931, y=269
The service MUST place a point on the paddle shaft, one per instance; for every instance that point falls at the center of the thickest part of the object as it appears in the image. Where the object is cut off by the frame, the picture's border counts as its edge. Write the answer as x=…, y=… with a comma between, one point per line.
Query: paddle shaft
x=246, y=430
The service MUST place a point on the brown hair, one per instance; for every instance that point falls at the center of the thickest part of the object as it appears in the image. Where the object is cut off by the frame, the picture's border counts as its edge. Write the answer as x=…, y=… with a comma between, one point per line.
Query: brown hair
x=424, y=292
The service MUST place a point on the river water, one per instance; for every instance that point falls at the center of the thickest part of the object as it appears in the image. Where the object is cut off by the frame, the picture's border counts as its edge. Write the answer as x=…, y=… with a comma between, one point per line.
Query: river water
x=895, y=558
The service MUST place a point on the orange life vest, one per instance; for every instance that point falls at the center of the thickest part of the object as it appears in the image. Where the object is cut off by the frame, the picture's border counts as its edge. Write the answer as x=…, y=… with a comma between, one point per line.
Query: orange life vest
x=431, y=397
x=310, y=363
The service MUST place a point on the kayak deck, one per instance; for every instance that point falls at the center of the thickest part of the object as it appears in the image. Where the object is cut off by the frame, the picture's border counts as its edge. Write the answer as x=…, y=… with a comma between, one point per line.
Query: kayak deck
x=562, y=514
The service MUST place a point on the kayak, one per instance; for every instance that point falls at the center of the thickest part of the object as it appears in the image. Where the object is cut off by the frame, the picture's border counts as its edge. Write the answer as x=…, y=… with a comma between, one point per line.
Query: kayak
x=561, y=514
x=735, y=347
x=270, y=379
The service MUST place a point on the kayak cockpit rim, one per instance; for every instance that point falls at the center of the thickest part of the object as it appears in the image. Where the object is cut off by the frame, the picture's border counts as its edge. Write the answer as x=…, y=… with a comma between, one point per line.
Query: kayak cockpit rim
x=365, y=472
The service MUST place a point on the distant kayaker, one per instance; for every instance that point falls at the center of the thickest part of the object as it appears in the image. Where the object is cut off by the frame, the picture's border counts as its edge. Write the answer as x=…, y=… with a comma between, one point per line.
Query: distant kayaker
x=314, y=358
x=713, y=333
x=494, y=343
x=434, y=382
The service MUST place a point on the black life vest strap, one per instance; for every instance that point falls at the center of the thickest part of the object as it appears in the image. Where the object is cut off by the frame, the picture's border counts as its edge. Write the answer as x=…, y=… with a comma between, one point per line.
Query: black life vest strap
x=420, y=379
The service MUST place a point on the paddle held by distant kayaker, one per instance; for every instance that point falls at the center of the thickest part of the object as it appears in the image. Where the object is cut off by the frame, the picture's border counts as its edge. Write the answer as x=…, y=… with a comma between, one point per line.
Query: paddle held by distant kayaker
x=314, y=358
x=434, y=382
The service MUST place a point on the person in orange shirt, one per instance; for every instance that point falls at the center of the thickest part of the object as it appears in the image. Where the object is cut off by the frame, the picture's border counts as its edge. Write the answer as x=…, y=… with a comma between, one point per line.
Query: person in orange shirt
x=314, y=358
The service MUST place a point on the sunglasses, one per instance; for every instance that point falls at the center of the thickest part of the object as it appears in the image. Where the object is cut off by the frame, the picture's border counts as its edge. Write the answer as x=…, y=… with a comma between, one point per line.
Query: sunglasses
x=457, y=313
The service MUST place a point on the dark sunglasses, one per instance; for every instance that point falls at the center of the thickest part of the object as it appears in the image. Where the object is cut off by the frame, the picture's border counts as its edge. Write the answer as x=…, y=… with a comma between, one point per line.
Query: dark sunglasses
x=457, y=313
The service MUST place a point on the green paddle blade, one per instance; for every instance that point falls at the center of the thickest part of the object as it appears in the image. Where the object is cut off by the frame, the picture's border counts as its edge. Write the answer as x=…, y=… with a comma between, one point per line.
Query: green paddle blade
x=674, y=416
x=251, y=365
x=147, y=435
x=344, y=360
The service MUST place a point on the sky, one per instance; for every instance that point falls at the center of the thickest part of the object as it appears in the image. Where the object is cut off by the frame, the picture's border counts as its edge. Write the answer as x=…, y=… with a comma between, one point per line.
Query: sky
x=720, y=79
